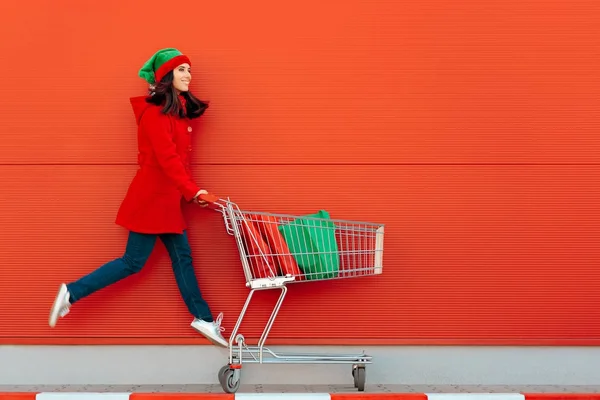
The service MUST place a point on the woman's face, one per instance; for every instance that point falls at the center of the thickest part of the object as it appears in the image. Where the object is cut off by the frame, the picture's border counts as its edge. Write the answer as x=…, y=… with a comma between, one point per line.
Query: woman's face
x=182, y=77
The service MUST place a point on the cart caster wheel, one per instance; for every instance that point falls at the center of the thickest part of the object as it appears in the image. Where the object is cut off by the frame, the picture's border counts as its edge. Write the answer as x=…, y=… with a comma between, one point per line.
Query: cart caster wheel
x=359, y=374
x=229, y=379
x=221, y=374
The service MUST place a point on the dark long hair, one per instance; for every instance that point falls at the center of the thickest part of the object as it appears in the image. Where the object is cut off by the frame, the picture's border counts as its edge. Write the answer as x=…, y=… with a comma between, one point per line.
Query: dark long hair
x=165, y=94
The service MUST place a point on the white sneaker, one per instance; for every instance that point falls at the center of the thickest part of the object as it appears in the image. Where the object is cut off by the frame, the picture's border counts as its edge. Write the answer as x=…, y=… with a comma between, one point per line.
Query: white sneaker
x=212, y=330
x=61, y=306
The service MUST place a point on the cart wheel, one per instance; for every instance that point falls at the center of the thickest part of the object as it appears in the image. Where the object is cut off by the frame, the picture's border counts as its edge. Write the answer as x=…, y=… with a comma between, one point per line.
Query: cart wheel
x=221, y=374
x=360, y=377
x=355, y=376
x=229, y=380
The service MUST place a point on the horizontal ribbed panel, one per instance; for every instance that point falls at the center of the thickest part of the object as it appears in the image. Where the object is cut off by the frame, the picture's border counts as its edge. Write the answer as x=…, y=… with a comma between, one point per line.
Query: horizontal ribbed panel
x=371, y=80
x=471, y=252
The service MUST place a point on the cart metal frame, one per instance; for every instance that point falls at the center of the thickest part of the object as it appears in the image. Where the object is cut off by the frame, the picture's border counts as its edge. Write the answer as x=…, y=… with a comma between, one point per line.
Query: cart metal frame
x=239, y=351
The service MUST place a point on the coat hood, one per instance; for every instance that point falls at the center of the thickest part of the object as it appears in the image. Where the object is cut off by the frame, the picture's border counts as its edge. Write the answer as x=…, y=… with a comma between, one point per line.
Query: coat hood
x=139, y=105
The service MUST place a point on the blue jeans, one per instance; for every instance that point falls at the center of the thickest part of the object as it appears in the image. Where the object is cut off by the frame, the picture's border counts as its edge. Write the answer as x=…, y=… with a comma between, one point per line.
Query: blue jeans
x=139, y=247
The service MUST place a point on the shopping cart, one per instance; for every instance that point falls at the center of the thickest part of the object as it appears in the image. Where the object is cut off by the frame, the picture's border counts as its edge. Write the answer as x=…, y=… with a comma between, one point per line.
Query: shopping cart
x=278, y=249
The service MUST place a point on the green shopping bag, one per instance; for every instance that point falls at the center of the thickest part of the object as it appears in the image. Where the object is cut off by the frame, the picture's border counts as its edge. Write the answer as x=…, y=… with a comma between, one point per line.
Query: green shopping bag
x=313, y=245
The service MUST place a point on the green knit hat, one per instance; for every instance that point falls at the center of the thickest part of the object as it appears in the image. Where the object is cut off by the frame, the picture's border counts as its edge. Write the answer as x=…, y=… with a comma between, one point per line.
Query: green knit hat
x=161, y=63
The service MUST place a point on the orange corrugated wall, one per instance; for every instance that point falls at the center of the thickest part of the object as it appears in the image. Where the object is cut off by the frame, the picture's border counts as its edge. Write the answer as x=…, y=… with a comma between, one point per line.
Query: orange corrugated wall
x=469, y=128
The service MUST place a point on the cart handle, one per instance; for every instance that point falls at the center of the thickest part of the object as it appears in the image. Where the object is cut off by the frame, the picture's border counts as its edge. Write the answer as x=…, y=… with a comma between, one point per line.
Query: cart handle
x=215, y=202
x=221, y=205
x=210, y=198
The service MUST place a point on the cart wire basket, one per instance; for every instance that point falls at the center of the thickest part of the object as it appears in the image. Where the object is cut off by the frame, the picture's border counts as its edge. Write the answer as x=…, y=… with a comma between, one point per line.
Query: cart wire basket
x=279, y=249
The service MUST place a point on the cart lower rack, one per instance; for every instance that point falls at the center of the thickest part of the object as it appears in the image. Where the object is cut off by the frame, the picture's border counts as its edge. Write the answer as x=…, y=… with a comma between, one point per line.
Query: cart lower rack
x=277, y=250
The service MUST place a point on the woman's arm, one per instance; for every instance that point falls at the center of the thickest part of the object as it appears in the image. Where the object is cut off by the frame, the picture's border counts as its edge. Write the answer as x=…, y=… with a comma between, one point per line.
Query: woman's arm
x=158, y=130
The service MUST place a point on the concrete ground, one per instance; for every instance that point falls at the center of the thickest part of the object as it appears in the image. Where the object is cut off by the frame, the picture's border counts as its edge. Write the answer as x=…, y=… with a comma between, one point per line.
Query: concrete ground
x=413, y=366
x=374, y=388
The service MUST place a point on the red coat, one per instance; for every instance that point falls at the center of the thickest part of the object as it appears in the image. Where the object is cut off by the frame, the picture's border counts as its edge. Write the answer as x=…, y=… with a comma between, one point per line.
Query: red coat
x=154, y=198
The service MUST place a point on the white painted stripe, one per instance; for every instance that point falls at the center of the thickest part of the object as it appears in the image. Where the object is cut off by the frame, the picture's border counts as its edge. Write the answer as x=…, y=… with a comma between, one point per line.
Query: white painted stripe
x=81, y=396
x=283, y=396
x=475, y=396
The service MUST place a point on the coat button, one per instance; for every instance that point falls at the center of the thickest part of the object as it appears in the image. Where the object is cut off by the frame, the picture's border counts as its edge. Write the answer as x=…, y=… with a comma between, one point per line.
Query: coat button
x=190, y=148
x=189, y=128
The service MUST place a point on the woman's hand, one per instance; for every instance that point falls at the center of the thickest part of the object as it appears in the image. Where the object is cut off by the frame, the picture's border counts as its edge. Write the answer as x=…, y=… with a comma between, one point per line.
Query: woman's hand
x=198, y=200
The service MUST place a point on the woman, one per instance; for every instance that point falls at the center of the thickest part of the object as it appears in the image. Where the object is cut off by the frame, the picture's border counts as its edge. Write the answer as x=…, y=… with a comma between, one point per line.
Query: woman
x=152, y=205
